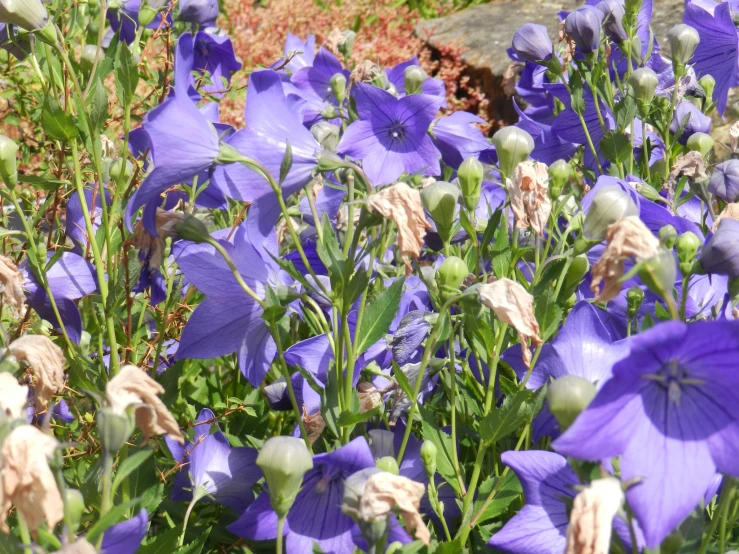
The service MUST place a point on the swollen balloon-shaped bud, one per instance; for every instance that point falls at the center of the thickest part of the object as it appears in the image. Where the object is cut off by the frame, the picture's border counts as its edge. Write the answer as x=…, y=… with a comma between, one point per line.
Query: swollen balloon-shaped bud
x=389, y=464
x=568, y=396
x=8, y=162
x=700, y=142
x=428, y=457
x=513, y=145
x=610, y=204
x=470, y=175
x=440, y=199
x=114, y=429
x=643, y=82
x=452, y=273
x=284, y=461
x=683, y=40
x=413, y=78
x=30, y=15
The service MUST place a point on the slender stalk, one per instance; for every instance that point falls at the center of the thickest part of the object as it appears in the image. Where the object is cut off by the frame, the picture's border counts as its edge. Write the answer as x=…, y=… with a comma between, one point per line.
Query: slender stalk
x=453, y=400
x=464, y=529
x=280, y=533
x=25, y=535
x=493, y=371
x=197, y=494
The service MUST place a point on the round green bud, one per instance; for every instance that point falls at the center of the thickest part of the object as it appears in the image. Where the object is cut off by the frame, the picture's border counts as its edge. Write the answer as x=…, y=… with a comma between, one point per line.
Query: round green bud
x=700, y=142
x=659, y=272
x=388, y=464
x=668, y=236
x=147, y=14
x=568, y=396
x=644, y=82
x=338, y=86
x=326, y=134
x=74, y=507
x=683, y=40
x=8, y=162
x=470, y=175
x=413, y=79
x=192, y=229
x=634, y=298
x=610, y=204
x=346, y=45
x=114, y=429
x=284, y=461
x=687, y=246
x=707, y=83
x=559, y=174
x=579, y=267
x=428, y=457
x=452, y=273
x=513, y=145
x=440, y=200
x=88, y=55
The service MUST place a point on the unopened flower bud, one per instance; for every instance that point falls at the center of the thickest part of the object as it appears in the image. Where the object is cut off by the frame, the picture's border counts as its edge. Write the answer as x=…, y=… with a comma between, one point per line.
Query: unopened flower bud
x=644, y=82
x=568, y=396
x=724, y=181
x=513, y=145
x=668, y=236
x=199, y=12
x=326, y=134
x=707, y=83
x=683, y=39
x=700, y=142
x=192, y=229
x=74, y=506
x=329, y=161
x=452, y=273
x=114, y=429
x=284, y=461
x=579, y=267
x=389, y=464
x=634, y=298
x=583, y=26
x=532, y=43
x=659, y=272
x=687, y=246
x=428, y=457
x=559, y=174
x=147, y=14
x=8, y=163
x=470, y=175
x=413, y=78
x=610, y=204
x=338, y=86
x=440, y=200
x=346, y=45
x=330, y=112
x=88, y=55
x=31, y=15
x=613, y=16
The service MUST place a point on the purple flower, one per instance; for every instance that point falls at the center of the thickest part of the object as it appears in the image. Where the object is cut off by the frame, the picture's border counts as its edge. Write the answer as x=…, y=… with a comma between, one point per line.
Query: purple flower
x=408, y=338
x=301, y=53
x=721, y=253
x=704, y=293
x=583, y=26
x=432, y=87
x=199, y=12
x=532, y=43
x=69, y=279
x=327, y=201
x=316, y=515
x=224, y=472
x=457, y=138
x=613, y=14
x=75, y=227
x=125, y=537
x=18, y=46
x=314, y=85
x=229, y=320
x=548, y=147
x=724, y=181
x=391, y=134
x=584, y=347
x=670, y=412
x=541, y=525
x=271, y=123
x=207, y=52
x=125, y=20
x=717, y=53
x=695, y=121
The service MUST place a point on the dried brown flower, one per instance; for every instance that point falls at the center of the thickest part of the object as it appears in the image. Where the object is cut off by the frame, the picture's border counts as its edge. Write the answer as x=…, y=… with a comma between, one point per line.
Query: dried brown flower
x=314, y=425
x=133, y=387
x=13, y=397
x=80, y=546
x=529, y=194
x=45, y=361
x=627, y=238
x=365, y=72
x=734, y=138
x=334, y=39
x=26, y=480
x=689, y=165
x=591, y=519
x=369, y=396
x=402, y=205
x=166, y=223
x=731, y=211
x=513, y=305
x=11, y=286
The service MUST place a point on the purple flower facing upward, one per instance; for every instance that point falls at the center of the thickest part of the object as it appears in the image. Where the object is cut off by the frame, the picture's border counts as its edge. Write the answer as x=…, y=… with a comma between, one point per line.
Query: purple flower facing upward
x=694, y=121
x=670, y=412
x=724, y=181
x=208, y=52
x=69, y=279
x=314, y=85
x=315, y=517
x=457, y=138
x=540, y=526
x=532, y=43
x=125, y=537
x=717, y=53
x=391, y=134
x=213, y=466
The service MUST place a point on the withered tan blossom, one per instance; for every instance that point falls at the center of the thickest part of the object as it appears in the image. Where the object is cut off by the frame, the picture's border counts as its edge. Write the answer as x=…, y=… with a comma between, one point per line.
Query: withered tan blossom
x=402, y=205
x=13, y=396
x=11, y=286
x=166, y=223
x=689, y=165
x=26, y=481
x=133, y=387
x=80, y=546
x=731, y=211
x=529, y=194
x=513, y=305
x=45, y=361
x=365, y=72
x=628, y=238
x=591, y=519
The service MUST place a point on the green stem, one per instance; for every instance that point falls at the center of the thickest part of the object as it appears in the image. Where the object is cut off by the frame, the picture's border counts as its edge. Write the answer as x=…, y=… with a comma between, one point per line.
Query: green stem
x=349, y=239
x=453, y=400
x=234, y=270
x=280, y=532
x=25, y=535
x=197, y=494
x=465, y=528
x=493, y=371
x=727, y=491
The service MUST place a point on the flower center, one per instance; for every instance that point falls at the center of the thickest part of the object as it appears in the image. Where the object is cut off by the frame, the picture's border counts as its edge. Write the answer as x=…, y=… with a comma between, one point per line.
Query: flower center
x=673, y=378
x=396, y=131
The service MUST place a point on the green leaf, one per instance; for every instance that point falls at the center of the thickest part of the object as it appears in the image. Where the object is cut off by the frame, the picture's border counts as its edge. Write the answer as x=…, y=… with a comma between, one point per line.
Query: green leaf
x=57, y=124
x=126, y=74
x=164, y=543
x=500, y=255
x=506, y=419
x=129, y=465
x=453, y=547
x=194, y=547
x=97, y=105
x=506, y=492
x=330, y=404
x=330, y=253
x=548, y=314
x=615, y=147
x=445, y=451
x=9, y=544
x=357, y=285
x=144, y=483
x=287, y=163
x=114, y=515
x=625, y=112
x=378, y=316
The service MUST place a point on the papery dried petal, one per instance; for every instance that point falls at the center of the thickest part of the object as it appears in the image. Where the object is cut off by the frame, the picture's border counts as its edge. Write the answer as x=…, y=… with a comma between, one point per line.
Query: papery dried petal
x=402, y=205
x=513, y=305
x=26, y=480
x=628, y=238
x=13, y=396
x=384, y=492
x=45, y=362
x=591, y=519
x=11, y=286
x=734, y=138
x=166, y=223
x=314, y=425
x=80, y=546
x=333, y=40
x=369, y=397
x=529, y=194
x=689, y=165
x=365, y=72
x=731, y=211
x=133, y=387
